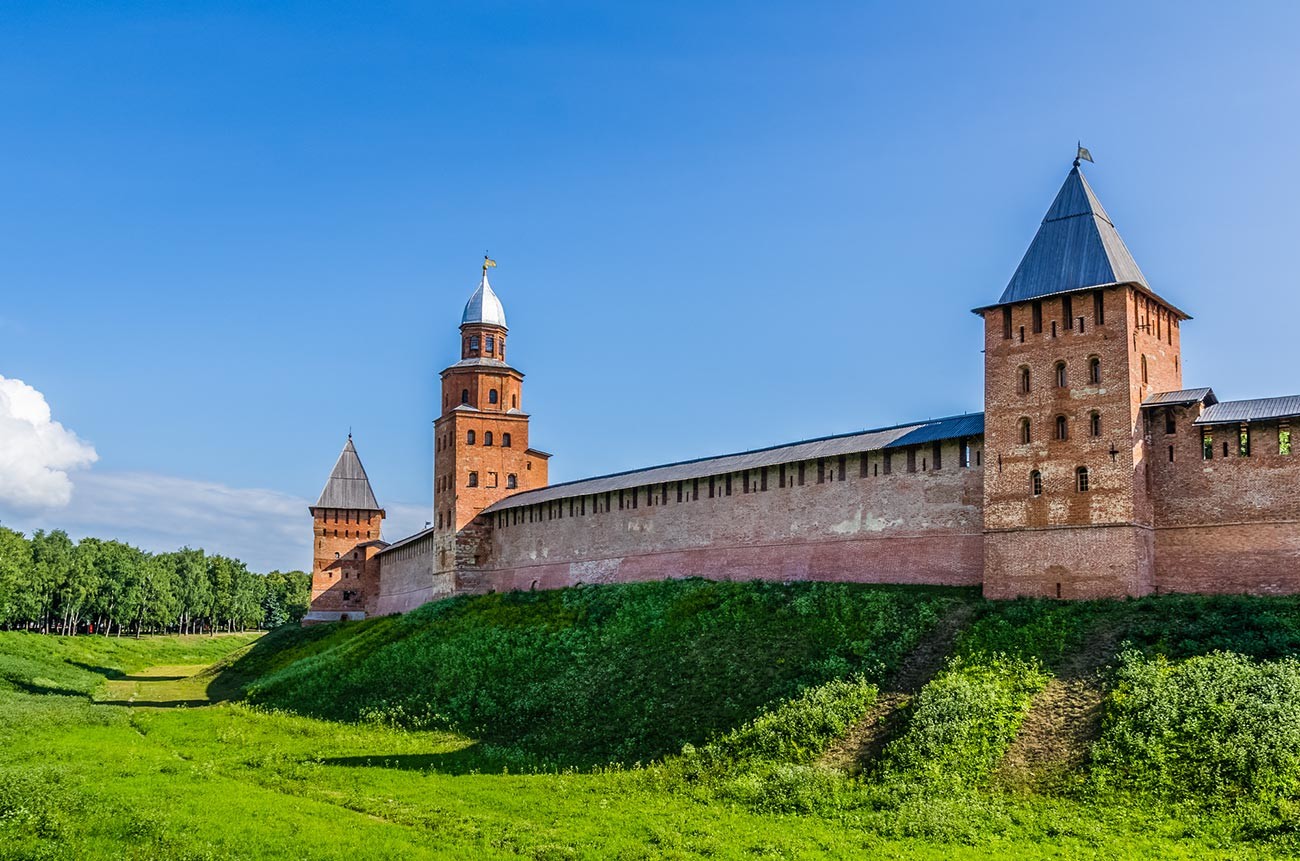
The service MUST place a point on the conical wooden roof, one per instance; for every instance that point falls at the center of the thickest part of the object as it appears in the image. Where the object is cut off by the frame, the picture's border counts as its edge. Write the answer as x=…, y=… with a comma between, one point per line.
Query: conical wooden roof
x=348, y=485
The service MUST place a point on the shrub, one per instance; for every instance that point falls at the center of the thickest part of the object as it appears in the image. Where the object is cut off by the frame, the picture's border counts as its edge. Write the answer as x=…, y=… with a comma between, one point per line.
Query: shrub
x=1217, y=725
x=800, y=729
x=963, y=721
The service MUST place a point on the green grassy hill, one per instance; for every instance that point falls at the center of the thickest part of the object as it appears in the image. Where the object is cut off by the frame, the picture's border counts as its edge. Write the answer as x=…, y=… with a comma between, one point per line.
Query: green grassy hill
x=679, y=719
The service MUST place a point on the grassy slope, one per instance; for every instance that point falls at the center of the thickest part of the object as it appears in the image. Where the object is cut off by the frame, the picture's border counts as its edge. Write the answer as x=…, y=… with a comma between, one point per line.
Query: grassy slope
x=595, y=675
x=233, y=781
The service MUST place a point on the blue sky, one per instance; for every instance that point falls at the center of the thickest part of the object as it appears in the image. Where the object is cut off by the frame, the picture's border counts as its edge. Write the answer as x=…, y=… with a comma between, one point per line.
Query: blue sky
x=231, y=231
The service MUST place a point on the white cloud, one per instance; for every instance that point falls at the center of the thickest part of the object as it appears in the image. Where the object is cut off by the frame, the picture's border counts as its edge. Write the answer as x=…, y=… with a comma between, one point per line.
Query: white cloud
x=36, y=453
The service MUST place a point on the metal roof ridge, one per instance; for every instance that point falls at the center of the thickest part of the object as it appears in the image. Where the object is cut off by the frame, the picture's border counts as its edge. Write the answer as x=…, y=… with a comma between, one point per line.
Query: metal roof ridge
x=695, y=460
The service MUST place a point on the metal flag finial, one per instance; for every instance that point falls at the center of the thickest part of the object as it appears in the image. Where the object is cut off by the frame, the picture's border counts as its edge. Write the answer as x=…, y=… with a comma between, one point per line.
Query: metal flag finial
x=488, y=263
x=1082, y=154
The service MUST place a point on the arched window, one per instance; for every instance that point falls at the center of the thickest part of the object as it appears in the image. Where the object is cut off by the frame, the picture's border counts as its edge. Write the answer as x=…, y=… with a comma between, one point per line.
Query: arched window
x=1094, y=370
x=473, y=343
x=1145, y=376
x=1024, y=379
x=505, y=440
x=1094, y=424
x=491, y=344
x=469, y=437
x=514, y=402
x=1060, y=375
x=464, y=396
x=1062, y=428
x=487, y=437
x=492, y=396
x=512, y=481
x=1035, y=483
x=1081, y=479
x=473, y=479
x=1024, y=432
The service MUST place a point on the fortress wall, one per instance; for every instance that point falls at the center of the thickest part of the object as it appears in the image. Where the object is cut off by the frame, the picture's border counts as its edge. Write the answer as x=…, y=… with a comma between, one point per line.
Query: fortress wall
x=1226, y=524
x=409, y=576
x=858, y=524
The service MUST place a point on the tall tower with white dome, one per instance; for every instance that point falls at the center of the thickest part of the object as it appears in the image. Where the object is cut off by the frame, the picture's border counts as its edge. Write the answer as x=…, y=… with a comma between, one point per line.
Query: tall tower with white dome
x=481, y=450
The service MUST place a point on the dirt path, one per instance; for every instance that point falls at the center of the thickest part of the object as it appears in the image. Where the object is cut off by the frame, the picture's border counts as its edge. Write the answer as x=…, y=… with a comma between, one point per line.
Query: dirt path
x=1063, y=720
x=864, y=742
x=159, y=687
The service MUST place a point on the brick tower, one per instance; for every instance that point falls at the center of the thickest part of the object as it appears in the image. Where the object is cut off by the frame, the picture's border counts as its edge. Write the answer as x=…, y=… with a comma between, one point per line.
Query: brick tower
x=1074, y=345
x=481, y=451
x=345, y=538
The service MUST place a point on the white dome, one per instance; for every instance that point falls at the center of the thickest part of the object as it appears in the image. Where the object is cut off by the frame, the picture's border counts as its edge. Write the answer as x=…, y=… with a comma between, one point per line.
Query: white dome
x=484, y=306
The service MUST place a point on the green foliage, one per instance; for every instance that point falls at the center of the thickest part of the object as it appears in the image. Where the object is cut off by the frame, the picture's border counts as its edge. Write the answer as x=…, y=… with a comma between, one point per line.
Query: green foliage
x=50, y=584
x=603, y=674
x=1181, y=626
x=963, y=721
x=1220, y=726
x=81, y=779
x=799, y=729
x=1031, y=629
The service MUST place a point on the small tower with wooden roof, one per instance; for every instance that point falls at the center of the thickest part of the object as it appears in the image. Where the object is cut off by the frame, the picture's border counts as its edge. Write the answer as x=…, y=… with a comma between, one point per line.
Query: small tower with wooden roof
x=346, y=522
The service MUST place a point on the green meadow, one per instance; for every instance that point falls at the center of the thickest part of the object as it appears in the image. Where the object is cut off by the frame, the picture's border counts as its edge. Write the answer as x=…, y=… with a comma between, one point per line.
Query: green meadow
x=685, y=719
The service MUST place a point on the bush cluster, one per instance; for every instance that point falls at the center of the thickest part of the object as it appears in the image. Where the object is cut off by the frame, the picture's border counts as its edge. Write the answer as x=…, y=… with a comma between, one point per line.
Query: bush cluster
x=963, y=721
x=1220, y=725
x=603, y=674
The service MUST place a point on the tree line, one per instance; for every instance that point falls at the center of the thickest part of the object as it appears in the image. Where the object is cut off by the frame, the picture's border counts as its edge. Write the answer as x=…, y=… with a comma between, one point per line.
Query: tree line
x=51, y=584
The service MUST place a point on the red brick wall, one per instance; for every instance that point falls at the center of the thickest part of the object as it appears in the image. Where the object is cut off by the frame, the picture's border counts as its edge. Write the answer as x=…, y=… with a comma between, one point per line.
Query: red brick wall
x=1227, y=524
x=340, y=563
x=921, y=527
x=410, y=577
x=455, y=458
x=1118, y=492
x=1068, y=562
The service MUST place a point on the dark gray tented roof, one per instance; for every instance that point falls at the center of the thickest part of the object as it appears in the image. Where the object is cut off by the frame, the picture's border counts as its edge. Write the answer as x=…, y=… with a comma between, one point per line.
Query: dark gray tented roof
x=1076, y=247
x=348, y=485
x=871, y=440
x=1183, y=396
x=1259, y=409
